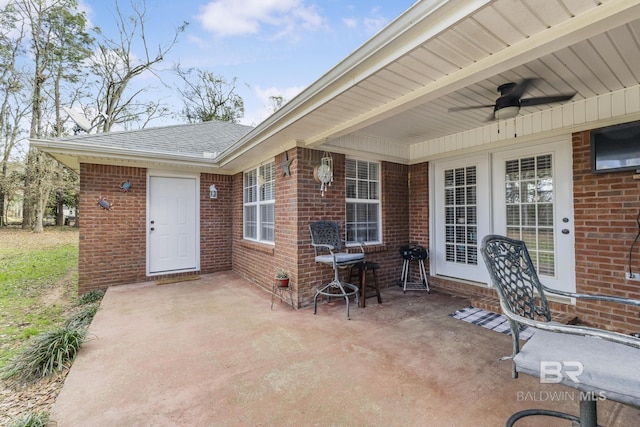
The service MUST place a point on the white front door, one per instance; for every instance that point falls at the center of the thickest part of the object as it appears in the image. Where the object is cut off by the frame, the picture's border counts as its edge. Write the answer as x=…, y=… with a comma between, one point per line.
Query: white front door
x=172, y=224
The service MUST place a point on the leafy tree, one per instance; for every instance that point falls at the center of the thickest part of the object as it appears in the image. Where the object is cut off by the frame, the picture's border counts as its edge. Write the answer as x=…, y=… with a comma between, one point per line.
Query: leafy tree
x=58, y=44
x=207, y=96
x=12, y=107
x=66, y=194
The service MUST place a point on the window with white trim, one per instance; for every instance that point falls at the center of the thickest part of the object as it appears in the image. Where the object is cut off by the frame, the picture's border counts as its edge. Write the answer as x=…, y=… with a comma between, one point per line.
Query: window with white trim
x=259, y=203
x=363, y=201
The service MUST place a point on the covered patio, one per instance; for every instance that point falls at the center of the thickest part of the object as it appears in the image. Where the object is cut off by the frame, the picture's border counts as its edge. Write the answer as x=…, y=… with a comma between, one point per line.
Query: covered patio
x=212, y=352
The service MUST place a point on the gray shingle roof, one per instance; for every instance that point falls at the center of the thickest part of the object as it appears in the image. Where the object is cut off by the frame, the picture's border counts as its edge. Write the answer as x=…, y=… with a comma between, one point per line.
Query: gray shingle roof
x=186, y=139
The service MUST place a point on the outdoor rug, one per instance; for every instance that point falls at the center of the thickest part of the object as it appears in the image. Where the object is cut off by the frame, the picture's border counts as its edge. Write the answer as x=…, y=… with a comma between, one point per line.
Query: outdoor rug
x=487, y=319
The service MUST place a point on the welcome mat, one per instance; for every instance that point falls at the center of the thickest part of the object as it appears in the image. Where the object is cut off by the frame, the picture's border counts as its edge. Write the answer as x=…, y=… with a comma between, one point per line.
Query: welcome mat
x=177, y=279
x=489, y=320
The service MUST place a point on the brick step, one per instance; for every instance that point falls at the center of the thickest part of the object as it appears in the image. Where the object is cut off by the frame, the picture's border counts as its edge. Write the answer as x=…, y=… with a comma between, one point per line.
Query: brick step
x=493, y=304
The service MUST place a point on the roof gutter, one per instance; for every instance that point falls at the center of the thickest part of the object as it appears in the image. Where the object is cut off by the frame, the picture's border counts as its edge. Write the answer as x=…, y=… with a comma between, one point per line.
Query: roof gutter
x=74, y=149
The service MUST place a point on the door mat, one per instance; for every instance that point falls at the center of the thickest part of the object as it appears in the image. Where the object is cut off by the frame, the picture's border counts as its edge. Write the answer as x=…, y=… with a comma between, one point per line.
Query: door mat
x=489, y=320
x=176, y=280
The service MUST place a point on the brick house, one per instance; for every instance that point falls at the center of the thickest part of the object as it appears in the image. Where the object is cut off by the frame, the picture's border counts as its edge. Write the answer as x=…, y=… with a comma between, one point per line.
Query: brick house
x=405, y=167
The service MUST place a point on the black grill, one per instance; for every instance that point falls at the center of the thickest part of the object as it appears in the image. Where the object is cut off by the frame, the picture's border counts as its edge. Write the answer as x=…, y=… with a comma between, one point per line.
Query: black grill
x=414, y=252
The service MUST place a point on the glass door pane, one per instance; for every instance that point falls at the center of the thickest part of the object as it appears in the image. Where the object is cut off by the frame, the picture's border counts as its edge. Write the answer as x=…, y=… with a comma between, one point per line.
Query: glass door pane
x=529, y=196
x=461, y=215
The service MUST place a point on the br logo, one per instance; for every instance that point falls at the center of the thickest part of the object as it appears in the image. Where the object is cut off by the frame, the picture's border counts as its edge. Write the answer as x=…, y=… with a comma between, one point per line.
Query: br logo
x=552, y=372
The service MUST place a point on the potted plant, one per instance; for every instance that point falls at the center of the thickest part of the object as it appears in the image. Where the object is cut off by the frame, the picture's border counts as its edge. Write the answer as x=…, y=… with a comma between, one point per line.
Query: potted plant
x=282, y=277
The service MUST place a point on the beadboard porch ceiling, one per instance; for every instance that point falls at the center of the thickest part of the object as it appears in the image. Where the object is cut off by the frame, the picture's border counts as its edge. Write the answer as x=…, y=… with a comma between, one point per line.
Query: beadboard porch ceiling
x=391, y=98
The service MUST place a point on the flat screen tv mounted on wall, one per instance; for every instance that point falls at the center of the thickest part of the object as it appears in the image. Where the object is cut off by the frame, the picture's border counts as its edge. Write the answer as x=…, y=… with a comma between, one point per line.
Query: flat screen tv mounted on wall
x=616, y=148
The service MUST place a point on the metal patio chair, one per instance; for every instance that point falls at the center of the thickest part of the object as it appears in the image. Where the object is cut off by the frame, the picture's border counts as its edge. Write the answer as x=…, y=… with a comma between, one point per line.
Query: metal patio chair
x=598, y=363
x=326, y=241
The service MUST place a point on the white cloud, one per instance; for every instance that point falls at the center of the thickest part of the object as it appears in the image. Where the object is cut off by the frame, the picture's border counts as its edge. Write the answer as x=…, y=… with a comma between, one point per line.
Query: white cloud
x=350, y=22
x=242, y=17
x=198, y=41
x=264, y=95
x=375, y=24
x=372, y=23
x=258, y=115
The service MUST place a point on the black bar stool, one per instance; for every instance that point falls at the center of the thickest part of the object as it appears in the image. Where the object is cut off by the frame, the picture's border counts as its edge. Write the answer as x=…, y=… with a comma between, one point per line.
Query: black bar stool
x=363, y=267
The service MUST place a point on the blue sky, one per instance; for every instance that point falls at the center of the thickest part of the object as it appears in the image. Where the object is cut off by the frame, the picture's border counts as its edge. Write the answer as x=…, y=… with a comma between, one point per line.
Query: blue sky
x=272, y=47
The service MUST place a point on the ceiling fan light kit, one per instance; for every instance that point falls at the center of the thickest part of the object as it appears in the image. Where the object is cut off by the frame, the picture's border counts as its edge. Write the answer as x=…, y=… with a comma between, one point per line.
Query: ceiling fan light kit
x=506, y=112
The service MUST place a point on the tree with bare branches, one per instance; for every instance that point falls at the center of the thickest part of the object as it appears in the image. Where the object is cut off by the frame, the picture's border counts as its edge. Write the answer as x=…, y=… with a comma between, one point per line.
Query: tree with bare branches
x=115, y=66
x=207, y=96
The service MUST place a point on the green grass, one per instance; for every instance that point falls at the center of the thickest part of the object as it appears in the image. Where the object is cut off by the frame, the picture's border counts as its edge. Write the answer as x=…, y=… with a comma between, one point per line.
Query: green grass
x=24, y=269
x=33, y=419
x=37, y=286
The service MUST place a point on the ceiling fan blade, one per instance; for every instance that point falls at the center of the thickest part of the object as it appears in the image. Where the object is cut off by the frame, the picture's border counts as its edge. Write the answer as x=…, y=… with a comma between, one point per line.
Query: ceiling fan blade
x=546, y=99
x=470, y=107
x=521, y=88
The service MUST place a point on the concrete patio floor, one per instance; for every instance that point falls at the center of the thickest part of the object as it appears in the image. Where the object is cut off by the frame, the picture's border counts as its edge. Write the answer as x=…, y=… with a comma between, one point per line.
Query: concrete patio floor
x=211, y=352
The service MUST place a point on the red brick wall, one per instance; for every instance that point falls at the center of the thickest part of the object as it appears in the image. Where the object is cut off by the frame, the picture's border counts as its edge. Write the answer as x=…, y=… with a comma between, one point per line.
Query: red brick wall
x=606, y=207
x=419, y=204
x=396, y=223
x=298, y=203
x=254, y=261
x=314, y=207
x=216, y=219
x=112, y=242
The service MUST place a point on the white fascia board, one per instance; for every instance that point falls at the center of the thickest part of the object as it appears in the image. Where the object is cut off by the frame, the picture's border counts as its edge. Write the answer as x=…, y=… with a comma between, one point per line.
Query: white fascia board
x=423, y=20
x=82, y=150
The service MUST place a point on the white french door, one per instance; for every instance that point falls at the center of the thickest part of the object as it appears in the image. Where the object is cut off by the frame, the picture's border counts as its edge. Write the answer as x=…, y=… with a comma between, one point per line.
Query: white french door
x=462, y=217
x=524, y=193
x=533, y=201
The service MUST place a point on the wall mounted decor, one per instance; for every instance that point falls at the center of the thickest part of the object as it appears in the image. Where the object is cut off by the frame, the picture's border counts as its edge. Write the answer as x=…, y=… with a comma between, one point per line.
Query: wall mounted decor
x=104, y=204
x=125, y=186
x=323, y=173
x=286, y=163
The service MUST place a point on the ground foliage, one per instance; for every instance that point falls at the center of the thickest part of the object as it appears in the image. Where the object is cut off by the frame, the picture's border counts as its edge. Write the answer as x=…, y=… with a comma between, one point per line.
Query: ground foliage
x=38, y=294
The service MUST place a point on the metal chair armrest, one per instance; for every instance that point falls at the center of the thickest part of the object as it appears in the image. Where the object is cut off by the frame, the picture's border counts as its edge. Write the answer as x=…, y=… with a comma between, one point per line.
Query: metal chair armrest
x=592, y=297
x=572, y=329
x=328, y=247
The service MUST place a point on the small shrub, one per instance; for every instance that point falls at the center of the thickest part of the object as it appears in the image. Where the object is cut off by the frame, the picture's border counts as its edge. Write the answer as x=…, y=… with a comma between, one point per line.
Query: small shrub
x=281, y=273
x=45, y=354
x=33, y=419
x=82, y=318
x=91, y=297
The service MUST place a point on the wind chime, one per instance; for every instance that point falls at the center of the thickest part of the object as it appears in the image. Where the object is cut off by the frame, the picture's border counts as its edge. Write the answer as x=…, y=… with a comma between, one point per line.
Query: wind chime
x=325, y=172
